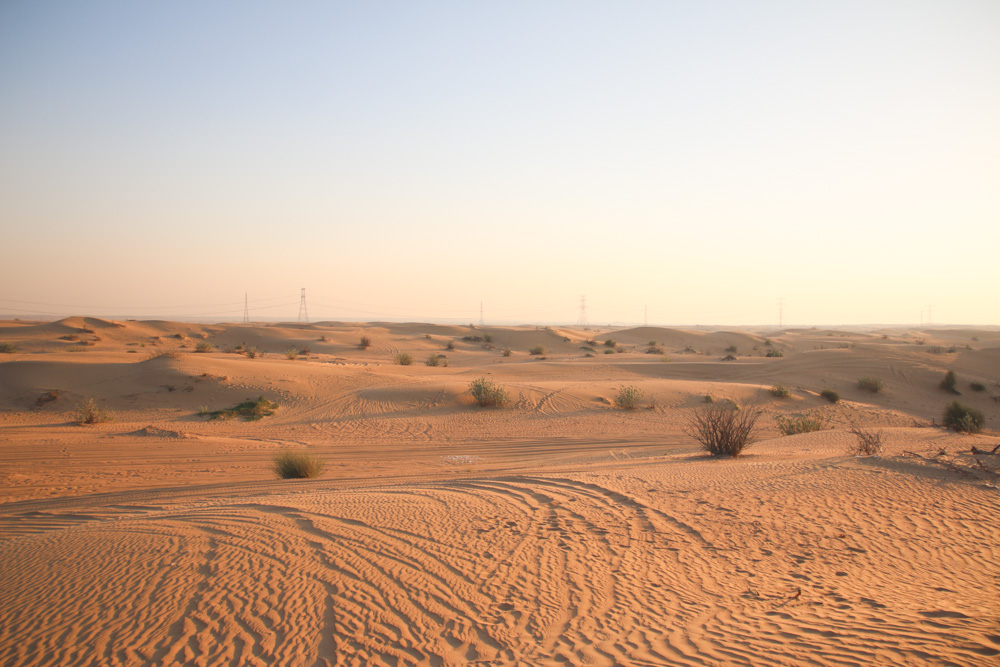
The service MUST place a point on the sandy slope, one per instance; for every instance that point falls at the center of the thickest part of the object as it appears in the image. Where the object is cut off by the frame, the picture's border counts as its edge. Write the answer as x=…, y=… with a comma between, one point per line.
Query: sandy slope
x=558, y=530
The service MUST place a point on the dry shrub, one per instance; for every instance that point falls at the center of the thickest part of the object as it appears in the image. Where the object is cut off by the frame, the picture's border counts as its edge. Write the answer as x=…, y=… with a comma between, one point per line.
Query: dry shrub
x=297, y=465
x=962, y=418
x=203, y=346
x=794, y=424
x=88, y=412
x=403, y=359
x=830, y=395
x=869, y=442
x=723, y=429
x=437, y=360
x=292, y=353
x=538, y=349
x=872, y=384
x=780, y=391
x=365, y=342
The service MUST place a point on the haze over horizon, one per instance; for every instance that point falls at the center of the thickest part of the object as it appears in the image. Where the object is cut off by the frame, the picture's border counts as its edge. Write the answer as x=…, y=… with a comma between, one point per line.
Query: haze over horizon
x=407, y=161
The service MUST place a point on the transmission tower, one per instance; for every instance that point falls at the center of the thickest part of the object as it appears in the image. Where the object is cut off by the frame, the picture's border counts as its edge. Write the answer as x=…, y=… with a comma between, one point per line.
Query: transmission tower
x=582, y=319
x=246, y=308
x=481, y=320
x=303, y=313
x=930, y=314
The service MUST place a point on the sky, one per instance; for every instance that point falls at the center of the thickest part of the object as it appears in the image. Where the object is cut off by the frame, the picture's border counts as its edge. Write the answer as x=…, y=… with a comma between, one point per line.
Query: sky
x=672, y=162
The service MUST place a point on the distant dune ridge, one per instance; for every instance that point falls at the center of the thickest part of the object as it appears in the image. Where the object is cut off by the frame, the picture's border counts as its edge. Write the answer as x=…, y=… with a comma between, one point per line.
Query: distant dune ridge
x=555, y=530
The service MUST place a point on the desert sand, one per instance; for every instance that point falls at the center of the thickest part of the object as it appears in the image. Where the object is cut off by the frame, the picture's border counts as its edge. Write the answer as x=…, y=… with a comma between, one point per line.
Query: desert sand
x=558, y=530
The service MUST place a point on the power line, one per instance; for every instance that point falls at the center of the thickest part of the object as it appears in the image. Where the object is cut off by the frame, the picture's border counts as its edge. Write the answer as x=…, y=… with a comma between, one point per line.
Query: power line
x=303, y=313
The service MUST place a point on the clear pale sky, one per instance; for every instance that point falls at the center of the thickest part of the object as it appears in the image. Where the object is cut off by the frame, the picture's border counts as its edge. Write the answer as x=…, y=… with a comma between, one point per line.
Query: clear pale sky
x=413, y=159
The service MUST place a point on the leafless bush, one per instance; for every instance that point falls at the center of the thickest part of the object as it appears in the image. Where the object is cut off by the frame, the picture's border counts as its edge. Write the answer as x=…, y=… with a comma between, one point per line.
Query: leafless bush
x=724, y=429
x=869, y=442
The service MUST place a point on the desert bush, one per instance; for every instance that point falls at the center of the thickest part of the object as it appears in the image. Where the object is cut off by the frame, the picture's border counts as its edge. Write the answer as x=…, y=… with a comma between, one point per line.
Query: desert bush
x=304, y=351
x=437, y=360
x=653, y=348
x=830, y=395
x=403, y=359
x=296, y=465
x=450, y=345
x=203, y=346
x=949, y=382
x=292, y=353
x=610, y=343
x=488, y=338
x=249, y=410
x=868, y=442
x=807, y=423
x=729, y=357
x=732, y=349
x=774, y=352
x=88, y=412
x=538, y=349
x=780, y=391
x=962, y=418
x=723, y=429
x=507, y=352
x=872, y=384
x=609, y=351
x=365, y=343
x=709, y=398
x=628, y=397
x=47, y=397
x=487, y=393
x=977, y=386
x=252, y=352
x=7, y=348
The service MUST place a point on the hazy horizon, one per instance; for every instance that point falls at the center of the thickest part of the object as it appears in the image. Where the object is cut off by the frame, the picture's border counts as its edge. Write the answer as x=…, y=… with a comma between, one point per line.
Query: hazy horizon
x=674, y=162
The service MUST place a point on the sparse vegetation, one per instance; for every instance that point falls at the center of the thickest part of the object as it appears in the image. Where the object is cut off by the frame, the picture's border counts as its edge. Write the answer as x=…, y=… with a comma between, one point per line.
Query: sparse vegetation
x=488, y=338
x=949, y=382
x=47, y=397
x=450, y=346
x=977, y=386
x=830, y=395
x=487, y=393
x=437, y=360
x=365, y=343
x=296, y=465
x=204, y=346
x=252, y=352
x=249, y=410
x=780, y=391
x=538, y=349
x=807, y=423
x=774, y=352
x=7, y=348
x=292, y=353
x=609, y=351
x=628, y=397
x=732, y=349
x=403, y=359
x=709, y=398
x=507, y=352
x=653, y=348
x=962, y=418
x=869, y=442
x=88, y=412
x=723, y=429
x=610, y=343
x=871, y=384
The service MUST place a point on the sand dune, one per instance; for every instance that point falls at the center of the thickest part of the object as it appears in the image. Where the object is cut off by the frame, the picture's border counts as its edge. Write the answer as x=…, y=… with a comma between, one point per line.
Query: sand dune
x=558, y=530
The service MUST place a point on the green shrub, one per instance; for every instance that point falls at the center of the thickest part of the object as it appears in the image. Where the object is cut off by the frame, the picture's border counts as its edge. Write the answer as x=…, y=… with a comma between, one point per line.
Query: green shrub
x=610, y=343
x=830, y=395
x=780, y=391
x=88, y=412
x=296, y=465
x=249, y=410
x=871, y=384
x=538, y=349
x=793, y=424
x=977, y=386
x=609, y=351
x=962, y=418
x=628, y=397
x=949, y=382
x=437, y=360
x=292, y=353
x=709, y=398
x=723, y=429
x=774, y=352
x=7, y=348
x=487, y=393
x=365, y=343
x=204, y=346
x=403, y=359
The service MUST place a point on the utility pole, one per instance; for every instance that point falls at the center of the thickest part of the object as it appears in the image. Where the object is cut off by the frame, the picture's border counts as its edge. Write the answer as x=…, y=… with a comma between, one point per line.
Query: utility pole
x=582, y=319
x=481, y=320
x=303, y=312
x=246, y=308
